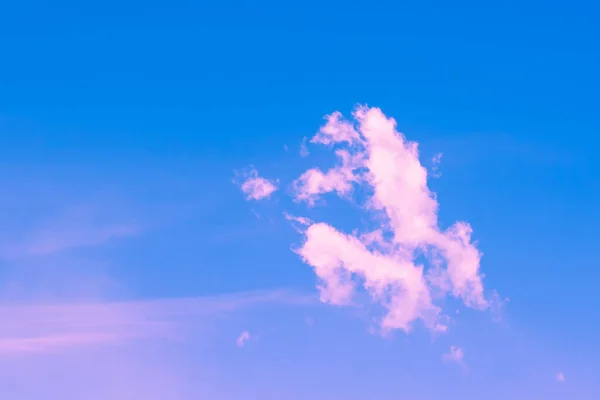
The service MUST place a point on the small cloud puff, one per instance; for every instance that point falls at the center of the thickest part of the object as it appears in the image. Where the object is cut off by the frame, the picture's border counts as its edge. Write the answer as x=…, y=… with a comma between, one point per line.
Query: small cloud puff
x=560, y=377
x=256, y=187
x=242, y=339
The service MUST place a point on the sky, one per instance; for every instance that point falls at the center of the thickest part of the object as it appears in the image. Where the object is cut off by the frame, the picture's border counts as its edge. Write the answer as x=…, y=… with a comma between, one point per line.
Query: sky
x=309, y=200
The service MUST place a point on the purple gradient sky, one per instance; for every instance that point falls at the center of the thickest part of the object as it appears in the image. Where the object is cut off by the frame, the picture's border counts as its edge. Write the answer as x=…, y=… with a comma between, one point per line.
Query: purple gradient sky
x=131, y=262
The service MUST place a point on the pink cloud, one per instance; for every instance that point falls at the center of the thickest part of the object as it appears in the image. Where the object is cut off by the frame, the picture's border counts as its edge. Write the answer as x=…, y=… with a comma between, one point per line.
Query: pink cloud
x=560, y=377
x=303, y=148
x=46, y=344
x=256, y=187
x=339, y=179
x=377, y=160
x=336, y=131
x=53, y=241
x=242, y=339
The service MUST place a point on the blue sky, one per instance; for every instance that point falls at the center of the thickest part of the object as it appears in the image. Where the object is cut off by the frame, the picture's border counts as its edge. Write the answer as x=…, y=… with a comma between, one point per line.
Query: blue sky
x=122, y=126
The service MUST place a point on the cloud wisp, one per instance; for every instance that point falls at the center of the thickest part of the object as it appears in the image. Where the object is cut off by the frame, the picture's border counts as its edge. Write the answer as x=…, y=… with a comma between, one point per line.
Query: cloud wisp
x=242, y=339
x=75, y=227
x=407, y=262
x=455, y=355
x=435, y=165
x=42, y=328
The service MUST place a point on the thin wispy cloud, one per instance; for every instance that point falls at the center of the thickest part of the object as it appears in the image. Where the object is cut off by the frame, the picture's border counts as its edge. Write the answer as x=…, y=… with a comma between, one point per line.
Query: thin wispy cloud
x=40, y=328
x=560, y=377
x=75, y=227
x=46, y=344
x=435, y=165
x=256, y=187
x=303, y=221
x=304, y=148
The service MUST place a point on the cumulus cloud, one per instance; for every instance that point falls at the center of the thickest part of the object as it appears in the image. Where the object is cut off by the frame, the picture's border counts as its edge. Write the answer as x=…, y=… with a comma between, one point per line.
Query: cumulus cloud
x=256, y=187
x=242, y=339
x=408, y=256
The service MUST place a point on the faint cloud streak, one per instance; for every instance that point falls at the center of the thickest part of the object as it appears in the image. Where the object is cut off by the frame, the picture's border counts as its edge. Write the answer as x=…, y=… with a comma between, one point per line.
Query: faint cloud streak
x=37, y=328
x=76, y=227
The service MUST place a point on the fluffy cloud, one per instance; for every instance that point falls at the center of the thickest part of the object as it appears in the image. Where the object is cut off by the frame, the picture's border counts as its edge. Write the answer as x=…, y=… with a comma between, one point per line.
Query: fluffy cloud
x=376, y=160
x=256, y=187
